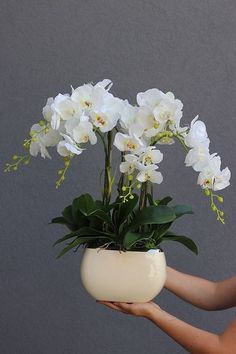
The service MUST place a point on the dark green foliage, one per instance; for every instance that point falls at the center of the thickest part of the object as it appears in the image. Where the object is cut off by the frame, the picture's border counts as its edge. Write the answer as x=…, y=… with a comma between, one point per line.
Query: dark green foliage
x=119, y=225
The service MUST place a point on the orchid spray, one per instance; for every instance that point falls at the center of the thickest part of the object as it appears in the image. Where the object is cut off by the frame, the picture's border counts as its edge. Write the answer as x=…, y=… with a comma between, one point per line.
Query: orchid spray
x=135, y=220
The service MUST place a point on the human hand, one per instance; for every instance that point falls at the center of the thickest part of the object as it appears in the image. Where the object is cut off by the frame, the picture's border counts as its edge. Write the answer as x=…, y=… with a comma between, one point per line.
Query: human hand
x=137, y=309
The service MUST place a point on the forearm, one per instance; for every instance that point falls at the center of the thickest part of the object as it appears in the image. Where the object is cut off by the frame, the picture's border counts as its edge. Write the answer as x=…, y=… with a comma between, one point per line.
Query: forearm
x=194, y=340
x=197, y=291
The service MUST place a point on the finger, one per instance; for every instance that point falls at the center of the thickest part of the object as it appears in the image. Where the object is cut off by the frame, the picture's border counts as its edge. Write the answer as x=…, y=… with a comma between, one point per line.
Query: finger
x=111, y=305
x=124, y=305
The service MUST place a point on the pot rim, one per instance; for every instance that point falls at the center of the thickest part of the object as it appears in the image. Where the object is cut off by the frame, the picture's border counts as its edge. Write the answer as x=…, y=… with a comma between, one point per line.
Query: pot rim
x=151, y=250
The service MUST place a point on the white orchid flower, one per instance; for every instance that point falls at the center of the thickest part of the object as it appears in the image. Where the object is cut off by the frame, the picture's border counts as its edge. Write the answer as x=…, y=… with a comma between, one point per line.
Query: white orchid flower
x=150, y=98
x=128, y=166
x=105, y=84
x=68, y=146
x=91, y=97
x=128, y=114
x=198, y=157
x=140, y=122
x=81, y=130
x=165, y=108
x=125, y=142
x=70, y=124
x=42, y=137
x=104, y=120
x=63, y=109
x=84, y=133
x=47, y=109
x=150, y=175
x=197, y=134
x=212, y=177
x=150, y=156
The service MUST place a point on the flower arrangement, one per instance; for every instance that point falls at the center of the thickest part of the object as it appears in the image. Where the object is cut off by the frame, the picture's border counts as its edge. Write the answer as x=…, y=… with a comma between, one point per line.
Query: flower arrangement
x=135, y=220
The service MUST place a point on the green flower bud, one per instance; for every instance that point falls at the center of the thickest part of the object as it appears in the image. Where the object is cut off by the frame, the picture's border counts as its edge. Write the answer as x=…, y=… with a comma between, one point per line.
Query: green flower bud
x=26, y=162
x=46, y=130
x=32, y=133
x=131, y=196
x=207, y=192
x=220, y=199
x=67, y=163
x=59, y=172
x=138, y=185
x=42, y=122
x=130, y=177
x=123, y=188
x=213, y=207
x=222, y=213
x=14, y=168
x=14, y=157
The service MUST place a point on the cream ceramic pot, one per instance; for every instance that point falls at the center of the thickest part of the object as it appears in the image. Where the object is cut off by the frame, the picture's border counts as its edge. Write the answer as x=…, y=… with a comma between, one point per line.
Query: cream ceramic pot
x=129, y=276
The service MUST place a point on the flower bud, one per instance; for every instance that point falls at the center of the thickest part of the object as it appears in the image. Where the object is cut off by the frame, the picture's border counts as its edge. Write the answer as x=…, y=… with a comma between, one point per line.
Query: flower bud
x=123, y=188
x=130, y=177
x=42, y=123
x=14, y=157
x=207, y=192
x=222, y=213
x=14, y=168
x=32, y=133
x=220, y=199
x=131, y=196
x=138, y=185
x=59, y=172
x=213, y=207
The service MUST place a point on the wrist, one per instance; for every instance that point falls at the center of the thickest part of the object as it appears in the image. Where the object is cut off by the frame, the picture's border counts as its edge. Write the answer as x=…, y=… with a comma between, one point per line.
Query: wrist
x=152, y=312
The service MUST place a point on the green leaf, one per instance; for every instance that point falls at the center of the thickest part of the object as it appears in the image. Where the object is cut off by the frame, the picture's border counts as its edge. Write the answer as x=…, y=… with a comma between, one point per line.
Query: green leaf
x=86, y=204
x=165, y=200
x=67, y=214
x=182, y=210
x=131, y=238
x=59, y=220
x=161, y=230
x=150, y=199
x=186, y=241
x=66, y=237
x=85, y=231
x=126, y=208
x=79, y=241
x=100, y=214
x=160, y=214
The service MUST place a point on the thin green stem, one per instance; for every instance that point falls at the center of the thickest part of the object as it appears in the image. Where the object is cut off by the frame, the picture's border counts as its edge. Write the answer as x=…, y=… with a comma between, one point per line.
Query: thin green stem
x=179, y=138
x=108, y=178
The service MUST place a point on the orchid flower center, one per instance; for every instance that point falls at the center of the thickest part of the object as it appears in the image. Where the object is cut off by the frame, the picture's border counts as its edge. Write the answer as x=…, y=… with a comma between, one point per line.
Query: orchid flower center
x=130, y=145
x=100, y=120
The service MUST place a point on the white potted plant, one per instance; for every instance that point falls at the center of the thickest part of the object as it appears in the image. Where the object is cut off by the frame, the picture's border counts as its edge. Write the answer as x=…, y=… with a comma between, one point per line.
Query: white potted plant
x=122, y=260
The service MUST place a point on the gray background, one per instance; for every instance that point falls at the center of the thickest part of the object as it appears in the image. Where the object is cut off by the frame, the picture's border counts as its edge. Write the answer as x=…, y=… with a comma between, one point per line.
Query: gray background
x=185, y=46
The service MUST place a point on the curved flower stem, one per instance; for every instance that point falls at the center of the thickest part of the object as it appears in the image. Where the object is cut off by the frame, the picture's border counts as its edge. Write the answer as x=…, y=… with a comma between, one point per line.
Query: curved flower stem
x=143, y=201
x=103, y=142
x=121, y=180
x=180, y=140
x=108, y=178
x=25, y=159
